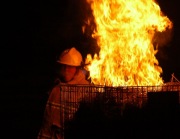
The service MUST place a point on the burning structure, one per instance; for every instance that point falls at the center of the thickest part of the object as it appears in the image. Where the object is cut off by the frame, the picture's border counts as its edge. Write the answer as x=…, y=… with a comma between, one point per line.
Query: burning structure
x=125, y=70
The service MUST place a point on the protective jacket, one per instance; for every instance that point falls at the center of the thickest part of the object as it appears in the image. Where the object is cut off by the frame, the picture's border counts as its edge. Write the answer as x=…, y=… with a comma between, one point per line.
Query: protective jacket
x=54, y=115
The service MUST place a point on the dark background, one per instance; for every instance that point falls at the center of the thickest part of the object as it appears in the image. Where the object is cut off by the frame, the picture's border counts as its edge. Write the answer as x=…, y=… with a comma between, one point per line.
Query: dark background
x=33, y=34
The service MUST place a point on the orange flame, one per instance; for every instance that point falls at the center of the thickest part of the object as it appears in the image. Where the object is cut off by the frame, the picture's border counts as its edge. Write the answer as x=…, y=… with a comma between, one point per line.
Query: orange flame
x=124, y=33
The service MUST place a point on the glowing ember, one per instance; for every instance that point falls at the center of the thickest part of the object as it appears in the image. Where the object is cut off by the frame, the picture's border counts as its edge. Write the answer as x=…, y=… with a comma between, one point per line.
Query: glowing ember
x=125, y=31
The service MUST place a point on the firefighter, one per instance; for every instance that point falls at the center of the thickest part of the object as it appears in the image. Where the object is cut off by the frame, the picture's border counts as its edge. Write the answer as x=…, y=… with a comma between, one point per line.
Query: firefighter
x=69, y=72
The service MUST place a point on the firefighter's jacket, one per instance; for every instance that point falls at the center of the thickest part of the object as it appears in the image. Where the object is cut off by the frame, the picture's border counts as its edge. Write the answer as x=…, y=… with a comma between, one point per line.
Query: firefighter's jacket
x=58, y=110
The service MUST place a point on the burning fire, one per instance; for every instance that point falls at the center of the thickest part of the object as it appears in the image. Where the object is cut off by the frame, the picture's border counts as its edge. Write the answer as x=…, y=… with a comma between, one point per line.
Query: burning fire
x=124, y=33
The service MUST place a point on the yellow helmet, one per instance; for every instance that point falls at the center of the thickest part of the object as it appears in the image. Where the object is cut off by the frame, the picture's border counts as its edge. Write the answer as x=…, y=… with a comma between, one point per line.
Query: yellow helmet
x=70, y=57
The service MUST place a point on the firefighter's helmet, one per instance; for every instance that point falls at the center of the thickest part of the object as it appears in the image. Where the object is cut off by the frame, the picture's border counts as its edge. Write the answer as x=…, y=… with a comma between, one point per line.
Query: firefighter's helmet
x=70, y=57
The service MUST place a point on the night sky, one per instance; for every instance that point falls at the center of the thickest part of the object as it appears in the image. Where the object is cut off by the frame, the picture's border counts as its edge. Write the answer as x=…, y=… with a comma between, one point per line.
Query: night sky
x=34, y=32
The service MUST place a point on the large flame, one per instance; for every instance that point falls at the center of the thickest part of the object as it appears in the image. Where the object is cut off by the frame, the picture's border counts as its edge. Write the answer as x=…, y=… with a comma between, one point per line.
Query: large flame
x=124, y=33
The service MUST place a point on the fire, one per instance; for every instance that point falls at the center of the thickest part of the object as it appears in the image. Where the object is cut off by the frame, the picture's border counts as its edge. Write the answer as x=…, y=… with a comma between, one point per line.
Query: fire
x=124, y=33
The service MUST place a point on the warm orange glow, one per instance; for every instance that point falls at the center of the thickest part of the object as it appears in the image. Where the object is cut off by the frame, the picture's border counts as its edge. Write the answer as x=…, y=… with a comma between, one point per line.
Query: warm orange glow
x=125, y=30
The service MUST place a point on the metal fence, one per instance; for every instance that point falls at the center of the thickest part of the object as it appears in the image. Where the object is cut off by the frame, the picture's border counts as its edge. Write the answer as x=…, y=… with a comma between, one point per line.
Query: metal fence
x=73, y=96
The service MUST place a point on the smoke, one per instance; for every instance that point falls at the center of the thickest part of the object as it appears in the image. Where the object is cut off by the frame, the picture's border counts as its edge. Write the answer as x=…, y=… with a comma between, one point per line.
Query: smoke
x=163, y=38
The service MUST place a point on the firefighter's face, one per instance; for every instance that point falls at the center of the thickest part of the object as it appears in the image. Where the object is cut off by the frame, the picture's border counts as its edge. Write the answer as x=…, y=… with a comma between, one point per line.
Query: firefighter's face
x=67, y=72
